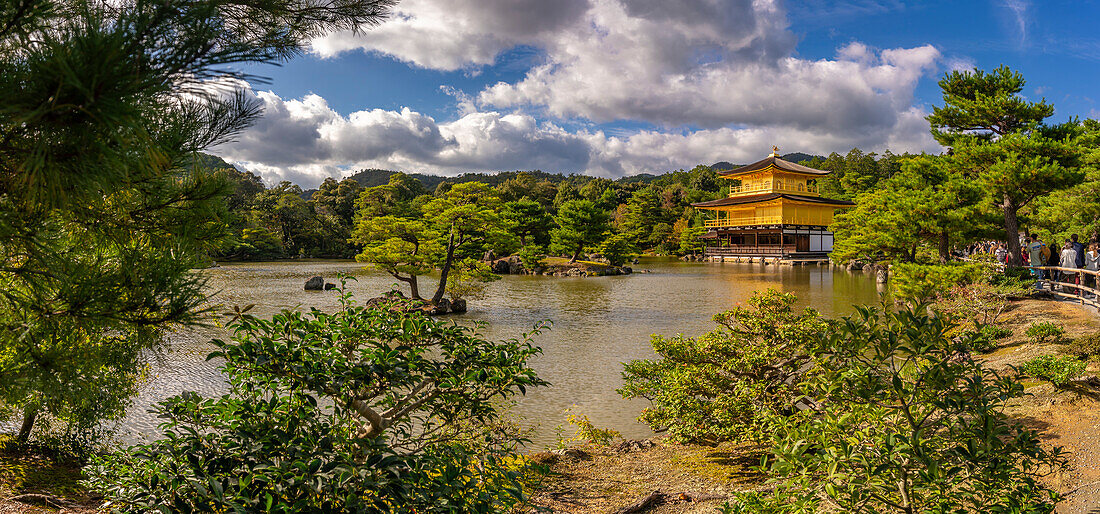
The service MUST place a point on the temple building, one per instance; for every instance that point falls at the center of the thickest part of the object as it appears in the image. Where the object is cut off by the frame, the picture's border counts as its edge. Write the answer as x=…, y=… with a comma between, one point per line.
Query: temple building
x=773, y=210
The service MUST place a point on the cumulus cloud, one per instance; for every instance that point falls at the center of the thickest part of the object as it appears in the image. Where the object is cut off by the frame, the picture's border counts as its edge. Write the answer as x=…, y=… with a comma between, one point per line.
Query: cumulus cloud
x=453, y=34
x=719, y=79
x=304, y=141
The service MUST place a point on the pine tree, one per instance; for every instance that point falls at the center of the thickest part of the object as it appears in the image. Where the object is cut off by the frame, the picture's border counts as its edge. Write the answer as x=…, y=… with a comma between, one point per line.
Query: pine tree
x=1000, y=140
x=103, y=208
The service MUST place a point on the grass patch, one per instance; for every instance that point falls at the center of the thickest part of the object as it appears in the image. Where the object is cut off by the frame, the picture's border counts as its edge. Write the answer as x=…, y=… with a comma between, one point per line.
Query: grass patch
x=32, y=470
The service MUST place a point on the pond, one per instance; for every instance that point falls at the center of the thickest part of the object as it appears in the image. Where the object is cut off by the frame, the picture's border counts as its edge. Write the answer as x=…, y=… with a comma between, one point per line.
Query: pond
x=598, y=323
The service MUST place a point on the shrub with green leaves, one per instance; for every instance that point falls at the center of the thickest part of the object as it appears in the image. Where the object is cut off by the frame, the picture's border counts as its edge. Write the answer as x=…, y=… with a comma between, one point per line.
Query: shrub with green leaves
x=1045, y=332
x=726, y=384
x=1086, y=346
x=924, y=282
x=903, y=423
x=354, y=411
x=1056, y=369
x=532, y=256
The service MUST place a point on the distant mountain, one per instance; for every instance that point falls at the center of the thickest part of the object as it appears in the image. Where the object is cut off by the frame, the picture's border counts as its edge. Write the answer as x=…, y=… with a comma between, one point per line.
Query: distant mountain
x=799, y=157
x=211, y=162
x=791, y=157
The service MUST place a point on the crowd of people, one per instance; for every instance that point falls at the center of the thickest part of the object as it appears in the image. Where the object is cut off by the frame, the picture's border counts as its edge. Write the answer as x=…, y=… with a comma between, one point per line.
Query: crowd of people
x=1071, y=255
x=1034, y=252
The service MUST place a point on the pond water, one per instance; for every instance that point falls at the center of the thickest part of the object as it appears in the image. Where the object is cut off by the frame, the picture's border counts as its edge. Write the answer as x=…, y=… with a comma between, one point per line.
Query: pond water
x=598, y=323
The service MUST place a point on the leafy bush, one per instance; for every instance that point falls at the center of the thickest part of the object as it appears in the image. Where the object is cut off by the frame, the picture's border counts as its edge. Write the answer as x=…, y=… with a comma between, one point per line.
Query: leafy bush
x=974, y=306
x=617, y=249
x=1056, y=369
x=924, y=282
x=355, y=411
x=532, y=256
x=467, y=279
x=589, y=432
x=725, y=384
x=1045, y=331
x=903, y=423
x=1086, y=346
x=1019, y=280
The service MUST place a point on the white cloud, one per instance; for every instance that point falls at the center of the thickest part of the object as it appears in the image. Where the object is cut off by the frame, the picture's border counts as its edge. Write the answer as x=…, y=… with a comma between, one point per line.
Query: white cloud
x=305, y=141
x=453, y=34
x=723, y=75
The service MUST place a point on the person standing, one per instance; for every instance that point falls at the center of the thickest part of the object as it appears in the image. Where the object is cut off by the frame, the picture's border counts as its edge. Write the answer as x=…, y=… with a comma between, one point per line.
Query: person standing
x=1092, y=263
x=1035, y=252
x=1001, y=253
x=1068, y=260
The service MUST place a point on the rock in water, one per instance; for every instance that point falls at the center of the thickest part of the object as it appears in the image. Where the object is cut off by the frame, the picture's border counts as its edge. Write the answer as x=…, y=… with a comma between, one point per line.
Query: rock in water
x=458, y=305
x=443, y=307
x=329, y=285
x=315, y=284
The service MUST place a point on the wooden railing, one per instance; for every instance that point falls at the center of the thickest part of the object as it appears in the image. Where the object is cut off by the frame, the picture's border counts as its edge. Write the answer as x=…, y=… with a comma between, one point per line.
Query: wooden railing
x=1076, y=291
x=731, y=251
x=814, y=218
x=1049, y=284
x=768, y=186
x=744, y=221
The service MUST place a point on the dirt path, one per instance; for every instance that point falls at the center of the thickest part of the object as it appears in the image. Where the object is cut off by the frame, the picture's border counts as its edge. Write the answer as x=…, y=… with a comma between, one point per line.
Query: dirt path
x=604, y=479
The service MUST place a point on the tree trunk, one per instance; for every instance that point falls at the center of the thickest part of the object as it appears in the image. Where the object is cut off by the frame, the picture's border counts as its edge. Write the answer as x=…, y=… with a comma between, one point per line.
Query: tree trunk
x=576, y=254
x=29, y=415
x=945, y=248
x=1012, y=231
x=414, y=289
x=446, y=269
x=523, y=241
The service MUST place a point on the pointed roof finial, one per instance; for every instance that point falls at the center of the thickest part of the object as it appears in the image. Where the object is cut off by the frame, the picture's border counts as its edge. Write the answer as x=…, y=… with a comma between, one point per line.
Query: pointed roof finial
x=775, y=151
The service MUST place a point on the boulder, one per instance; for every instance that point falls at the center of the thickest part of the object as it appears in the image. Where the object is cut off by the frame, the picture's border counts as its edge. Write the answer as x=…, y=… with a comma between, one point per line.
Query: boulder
x=627, y=270
x=315, y=284
x=329, y=286
x=882, y=274
x=854, y=265
x=515, y=265
x=443, y=307
x=458, y=305
x=500, y=267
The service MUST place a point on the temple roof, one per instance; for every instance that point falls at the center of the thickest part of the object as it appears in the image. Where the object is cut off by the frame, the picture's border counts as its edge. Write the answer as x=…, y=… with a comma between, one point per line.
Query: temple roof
x=738, y=200
x=773, y=160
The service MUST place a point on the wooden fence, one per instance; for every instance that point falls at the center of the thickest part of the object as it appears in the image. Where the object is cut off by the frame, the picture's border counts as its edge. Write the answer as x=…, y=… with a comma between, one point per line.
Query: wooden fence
x=1068, y=290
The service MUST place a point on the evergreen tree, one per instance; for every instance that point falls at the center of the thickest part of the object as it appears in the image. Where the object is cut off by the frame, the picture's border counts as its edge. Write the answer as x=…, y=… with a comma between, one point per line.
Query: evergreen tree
x=580, y=224
x=104, y=207
x=998, y=138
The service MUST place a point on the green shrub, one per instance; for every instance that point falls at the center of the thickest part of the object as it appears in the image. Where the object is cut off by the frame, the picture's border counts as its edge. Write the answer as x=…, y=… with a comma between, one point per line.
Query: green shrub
x=725, y=384
x=1086, y=346
x=1018, y=279
x=924, y=282
x=1056, y=369
x=588, y=432
x=996, y=332
x=532, y=256
x=903, y=424
x=357, y=411
x=1045, y=332
x=617, y=249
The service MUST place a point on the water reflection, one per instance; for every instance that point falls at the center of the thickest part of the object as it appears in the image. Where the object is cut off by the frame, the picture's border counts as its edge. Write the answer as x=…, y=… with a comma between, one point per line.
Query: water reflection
x=598, y=323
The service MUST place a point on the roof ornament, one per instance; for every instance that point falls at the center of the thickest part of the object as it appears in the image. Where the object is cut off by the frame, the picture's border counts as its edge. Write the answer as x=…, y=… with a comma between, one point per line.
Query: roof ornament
x=775, y=151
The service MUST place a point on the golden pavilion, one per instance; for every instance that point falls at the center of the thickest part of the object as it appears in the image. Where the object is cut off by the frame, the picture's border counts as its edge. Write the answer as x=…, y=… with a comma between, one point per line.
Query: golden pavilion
x=773, y=210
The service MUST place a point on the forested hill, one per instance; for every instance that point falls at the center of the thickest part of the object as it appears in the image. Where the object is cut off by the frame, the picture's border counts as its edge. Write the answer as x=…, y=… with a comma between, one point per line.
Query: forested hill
x=376, y=177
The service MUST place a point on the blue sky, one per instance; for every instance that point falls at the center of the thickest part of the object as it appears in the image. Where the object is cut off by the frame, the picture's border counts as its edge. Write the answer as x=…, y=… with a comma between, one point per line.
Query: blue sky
x=614, y=87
